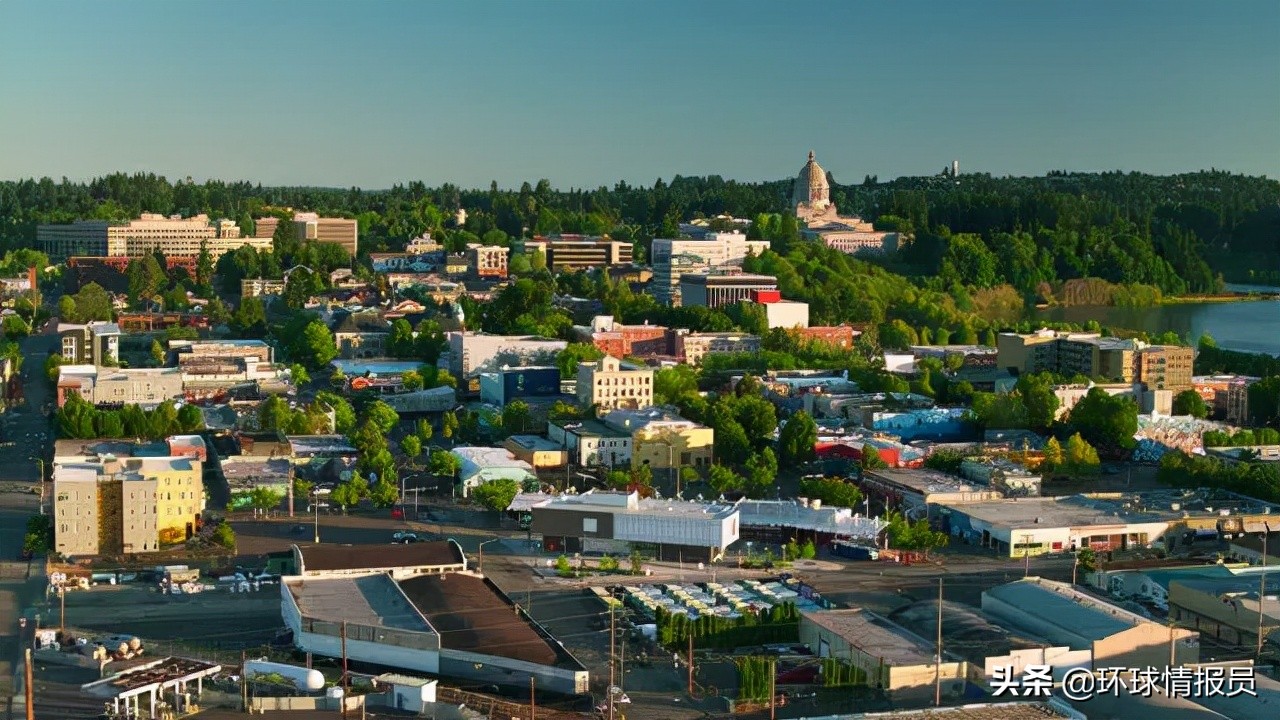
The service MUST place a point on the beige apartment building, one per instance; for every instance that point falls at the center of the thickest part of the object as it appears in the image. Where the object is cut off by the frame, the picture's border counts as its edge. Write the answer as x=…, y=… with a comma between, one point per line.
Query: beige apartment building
x=1159, y=367
x=310, y=226
x=605, y=384
x=117, y=506
x=579, y=252
x=174, y=236
x=488, y=261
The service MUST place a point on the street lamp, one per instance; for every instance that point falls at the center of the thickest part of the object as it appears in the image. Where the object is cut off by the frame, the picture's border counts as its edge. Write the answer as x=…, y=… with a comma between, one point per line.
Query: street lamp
x=315, y=504
x=480, y=564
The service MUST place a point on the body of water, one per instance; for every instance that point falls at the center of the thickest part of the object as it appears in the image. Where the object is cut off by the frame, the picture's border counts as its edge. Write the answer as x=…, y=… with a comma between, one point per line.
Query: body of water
x=1250, y=326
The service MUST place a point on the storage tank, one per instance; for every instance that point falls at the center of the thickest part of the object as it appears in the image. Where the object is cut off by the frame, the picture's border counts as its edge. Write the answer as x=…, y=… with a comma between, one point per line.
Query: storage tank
x=302, y=678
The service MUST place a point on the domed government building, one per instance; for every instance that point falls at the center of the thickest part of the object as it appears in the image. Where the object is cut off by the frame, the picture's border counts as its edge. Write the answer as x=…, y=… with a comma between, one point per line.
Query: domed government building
x=811, y=198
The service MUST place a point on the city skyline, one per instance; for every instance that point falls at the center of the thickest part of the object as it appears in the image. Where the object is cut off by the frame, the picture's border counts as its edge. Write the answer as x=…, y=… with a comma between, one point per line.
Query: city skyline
x=341, y=94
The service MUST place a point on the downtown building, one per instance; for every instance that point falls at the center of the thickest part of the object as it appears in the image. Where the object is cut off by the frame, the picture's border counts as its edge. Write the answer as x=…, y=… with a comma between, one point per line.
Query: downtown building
x=673, y=258
x=1159, y=367
x=579, y=252
x=713, y=291
x=174, y=236
x=310, y=226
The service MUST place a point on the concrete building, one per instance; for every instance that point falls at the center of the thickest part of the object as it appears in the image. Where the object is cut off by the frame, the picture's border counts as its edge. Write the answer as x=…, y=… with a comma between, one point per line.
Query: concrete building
x=606, y=385
x=501, y=387
x=1226, y=395
x=471, y=353
x=715, y=291
x=219, y=364
x=592, y=443
x=1149, y=400
x=111, y=506
x=615, y=522
x=673, y=258
x=579, y=252
x=1065, y=616
x=456, y=625
x=173, y=236
x=361, y=334
x=484, y=464
x=663, y=440
x=665, y=284
x=488, y=261
x=691, y=347
x=93, y=343
x=147, y=387
x=891, y=657
x=1159, y=367
x=310, y=226
x=536, y=450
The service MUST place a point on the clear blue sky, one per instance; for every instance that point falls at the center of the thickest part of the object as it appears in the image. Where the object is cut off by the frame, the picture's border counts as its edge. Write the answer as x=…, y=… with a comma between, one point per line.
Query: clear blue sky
x=371, y=93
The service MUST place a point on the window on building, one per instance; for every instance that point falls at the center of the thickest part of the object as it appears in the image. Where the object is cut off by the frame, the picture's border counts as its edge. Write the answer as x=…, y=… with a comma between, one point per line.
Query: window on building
x=589, y=525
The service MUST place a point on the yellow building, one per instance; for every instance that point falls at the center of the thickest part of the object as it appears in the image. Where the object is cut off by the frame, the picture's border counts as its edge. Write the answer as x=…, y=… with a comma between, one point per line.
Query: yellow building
x=608, y=385
x=664, y=440
x=537, y=451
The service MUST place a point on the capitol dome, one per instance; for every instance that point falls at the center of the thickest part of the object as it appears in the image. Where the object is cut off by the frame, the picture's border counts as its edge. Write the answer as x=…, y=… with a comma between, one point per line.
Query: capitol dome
x=812, y=189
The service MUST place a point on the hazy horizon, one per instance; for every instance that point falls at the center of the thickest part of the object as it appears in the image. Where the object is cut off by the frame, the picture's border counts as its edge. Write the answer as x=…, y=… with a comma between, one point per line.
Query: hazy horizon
x=342, y=94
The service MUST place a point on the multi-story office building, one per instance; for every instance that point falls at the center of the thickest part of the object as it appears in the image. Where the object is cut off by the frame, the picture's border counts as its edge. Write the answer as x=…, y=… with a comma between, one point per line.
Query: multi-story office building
x=114, y=506
x=714, y=291
x=675, y=257
x=618, y=340
x=692, y=347
x=607, y=385
x=488, y=261
x=1159, y=367
x=94, y=343
x=174, y=236
x=580, y=252
x=310, y=226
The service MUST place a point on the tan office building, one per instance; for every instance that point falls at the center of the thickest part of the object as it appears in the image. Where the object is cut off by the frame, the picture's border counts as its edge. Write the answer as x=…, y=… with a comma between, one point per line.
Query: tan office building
x=605, y=384
x=310, y=226
x=1159, y=367
x=174, y=236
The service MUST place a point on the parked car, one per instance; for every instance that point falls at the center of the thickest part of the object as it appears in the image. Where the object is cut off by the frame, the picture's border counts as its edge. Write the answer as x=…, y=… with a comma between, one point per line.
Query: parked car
x=403, y=536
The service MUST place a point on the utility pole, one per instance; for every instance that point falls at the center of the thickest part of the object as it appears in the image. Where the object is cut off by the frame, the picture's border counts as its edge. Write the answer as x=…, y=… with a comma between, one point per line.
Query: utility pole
x=344, y=669
x=691, y=664
x=1262, y=590
x=533, y=701
x=1075, y=563
x=1026, y=555
x=28, y=682
x=315, y=503
x=244, y=683
x=62, y=611
x=937, y=668
x=611, y=651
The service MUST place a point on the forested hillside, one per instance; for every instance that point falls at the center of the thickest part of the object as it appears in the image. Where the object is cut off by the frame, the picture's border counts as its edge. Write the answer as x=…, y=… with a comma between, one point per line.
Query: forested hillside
x=1177, y=234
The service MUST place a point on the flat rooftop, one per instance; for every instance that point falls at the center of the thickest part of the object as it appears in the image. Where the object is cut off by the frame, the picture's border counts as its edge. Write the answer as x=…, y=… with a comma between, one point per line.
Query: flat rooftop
x=1027, y=710
x=620, y=503
x=164, y=670
x=380, y=557
x=373, y=600
x=925, y=482
x=875, y=636
x=1114, y=509
x=470, y=613
x=1060, y=605
x=535, y=442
